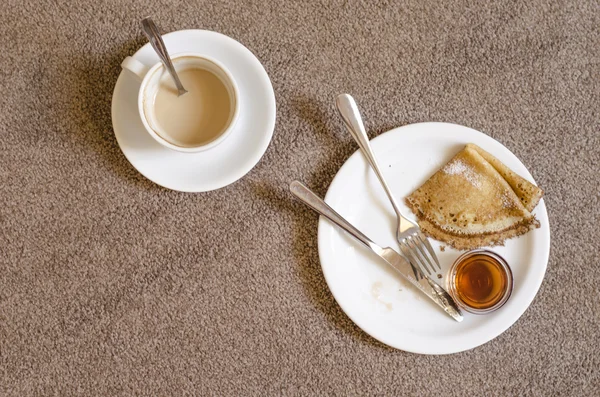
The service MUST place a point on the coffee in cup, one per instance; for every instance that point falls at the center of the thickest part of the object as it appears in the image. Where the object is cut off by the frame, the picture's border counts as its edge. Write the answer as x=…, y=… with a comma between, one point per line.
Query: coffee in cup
x=197, y=120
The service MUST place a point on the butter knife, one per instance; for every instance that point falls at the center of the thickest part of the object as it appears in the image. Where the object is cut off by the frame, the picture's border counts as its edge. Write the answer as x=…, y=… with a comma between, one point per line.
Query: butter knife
x=395, y=260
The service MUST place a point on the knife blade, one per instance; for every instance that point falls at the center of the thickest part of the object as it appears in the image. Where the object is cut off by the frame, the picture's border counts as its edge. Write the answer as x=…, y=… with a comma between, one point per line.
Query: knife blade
x=425, y=284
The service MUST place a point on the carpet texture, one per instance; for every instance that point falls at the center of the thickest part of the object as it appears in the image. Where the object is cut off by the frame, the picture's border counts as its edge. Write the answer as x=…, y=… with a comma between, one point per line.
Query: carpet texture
x=111, y=285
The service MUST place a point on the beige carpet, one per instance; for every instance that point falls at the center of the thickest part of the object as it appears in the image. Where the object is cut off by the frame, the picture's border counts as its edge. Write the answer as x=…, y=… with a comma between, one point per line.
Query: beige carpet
x=111, y=285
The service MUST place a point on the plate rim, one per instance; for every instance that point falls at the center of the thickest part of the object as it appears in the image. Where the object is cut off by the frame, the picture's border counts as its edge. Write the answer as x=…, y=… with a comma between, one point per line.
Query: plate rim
x=243, y=169
x=528, y=297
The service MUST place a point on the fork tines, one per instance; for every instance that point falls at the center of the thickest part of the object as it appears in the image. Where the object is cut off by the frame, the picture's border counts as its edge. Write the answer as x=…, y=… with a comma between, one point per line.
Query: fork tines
x=416, y=247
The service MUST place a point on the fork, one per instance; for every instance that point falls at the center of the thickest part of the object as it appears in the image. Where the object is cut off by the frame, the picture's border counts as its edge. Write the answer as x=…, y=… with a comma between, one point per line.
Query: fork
x=413, y=243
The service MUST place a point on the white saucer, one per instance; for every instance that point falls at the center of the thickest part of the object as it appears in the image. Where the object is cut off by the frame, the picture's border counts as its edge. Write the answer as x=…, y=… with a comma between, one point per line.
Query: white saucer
x=376, y=298
x=217, y=167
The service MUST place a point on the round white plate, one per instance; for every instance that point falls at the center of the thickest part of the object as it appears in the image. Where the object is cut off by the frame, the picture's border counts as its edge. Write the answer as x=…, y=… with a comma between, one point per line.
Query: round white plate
x=214, y=168
x=376, y=298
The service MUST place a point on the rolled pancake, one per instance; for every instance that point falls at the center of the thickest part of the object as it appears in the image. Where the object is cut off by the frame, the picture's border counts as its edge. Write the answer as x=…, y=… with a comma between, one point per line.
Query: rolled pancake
x=468, y=203
x=528, y=193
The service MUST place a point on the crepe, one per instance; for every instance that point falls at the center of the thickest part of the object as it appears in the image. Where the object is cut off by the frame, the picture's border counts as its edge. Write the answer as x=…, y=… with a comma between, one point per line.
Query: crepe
x=528, y=193
x=475, y=201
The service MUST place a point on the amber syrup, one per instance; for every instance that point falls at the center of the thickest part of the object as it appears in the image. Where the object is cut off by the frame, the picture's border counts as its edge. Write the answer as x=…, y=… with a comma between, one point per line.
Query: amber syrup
x=480, y=281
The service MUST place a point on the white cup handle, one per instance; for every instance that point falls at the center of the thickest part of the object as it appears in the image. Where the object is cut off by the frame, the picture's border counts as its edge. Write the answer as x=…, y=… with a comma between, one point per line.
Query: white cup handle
x=138, y=69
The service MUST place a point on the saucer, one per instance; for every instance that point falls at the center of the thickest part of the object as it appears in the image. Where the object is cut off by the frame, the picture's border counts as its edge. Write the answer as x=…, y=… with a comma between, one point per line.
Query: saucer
x=221, y=165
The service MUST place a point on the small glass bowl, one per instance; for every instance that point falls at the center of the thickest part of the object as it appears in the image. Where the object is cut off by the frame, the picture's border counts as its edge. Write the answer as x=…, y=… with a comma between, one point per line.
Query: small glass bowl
x=452, y=287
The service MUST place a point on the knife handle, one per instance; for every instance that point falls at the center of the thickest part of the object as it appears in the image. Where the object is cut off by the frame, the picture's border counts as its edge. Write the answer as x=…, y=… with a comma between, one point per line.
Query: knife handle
x=316, y=203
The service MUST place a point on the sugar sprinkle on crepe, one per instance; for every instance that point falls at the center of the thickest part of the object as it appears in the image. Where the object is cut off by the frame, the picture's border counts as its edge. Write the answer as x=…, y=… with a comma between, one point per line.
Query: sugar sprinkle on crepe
x=506, y=201
x=458, y=167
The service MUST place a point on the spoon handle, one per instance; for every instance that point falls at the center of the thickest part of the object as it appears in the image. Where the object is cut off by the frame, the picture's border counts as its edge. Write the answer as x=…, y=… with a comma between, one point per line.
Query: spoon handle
x=156, y=41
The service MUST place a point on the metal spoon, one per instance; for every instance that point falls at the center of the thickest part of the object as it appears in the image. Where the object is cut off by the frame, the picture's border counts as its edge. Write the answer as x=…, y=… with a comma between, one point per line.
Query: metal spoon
x=151, y=31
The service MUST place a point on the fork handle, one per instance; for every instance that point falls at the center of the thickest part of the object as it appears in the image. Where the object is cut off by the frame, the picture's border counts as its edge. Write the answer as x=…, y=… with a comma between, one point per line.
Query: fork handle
x=316, y=203
x=353, y=121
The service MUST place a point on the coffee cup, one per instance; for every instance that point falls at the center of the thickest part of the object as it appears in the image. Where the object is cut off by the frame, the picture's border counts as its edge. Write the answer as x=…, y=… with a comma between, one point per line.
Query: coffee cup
x=196, y=121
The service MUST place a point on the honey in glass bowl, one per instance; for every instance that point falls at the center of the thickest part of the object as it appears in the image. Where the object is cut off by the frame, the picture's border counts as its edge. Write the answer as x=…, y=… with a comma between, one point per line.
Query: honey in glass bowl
x=480, y=281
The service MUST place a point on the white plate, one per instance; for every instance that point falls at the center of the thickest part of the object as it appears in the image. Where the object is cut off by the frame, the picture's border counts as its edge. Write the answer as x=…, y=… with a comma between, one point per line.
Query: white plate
x=378, y=300
x=217, y=167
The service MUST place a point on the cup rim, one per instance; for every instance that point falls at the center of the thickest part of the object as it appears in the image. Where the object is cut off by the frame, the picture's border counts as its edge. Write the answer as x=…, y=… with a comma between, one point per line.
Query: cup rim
x=214, y=142
x=452, y=285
